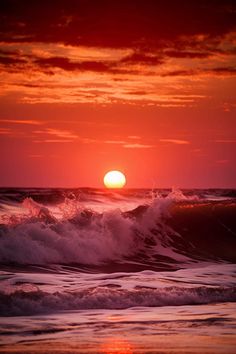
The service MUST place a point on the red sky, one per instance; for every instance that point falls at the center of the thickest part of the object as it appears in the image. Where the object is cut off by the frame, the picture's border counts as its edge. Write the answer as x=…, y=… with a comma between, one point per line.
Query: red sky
x=147, y=87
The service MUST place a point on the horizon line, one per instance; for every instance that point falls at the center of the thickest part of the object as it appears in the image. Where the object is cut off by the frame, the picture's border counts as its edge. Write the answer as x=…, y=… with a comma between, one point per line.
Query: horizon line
x=123, y=188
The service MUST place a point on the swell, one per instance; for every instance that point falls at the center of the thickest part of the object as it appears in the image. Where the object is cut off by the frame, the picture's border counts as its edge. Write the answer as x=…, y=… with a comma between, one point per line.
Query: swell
x=35, y=302
x=200, y=229
x=210, y=227
x=165, y=231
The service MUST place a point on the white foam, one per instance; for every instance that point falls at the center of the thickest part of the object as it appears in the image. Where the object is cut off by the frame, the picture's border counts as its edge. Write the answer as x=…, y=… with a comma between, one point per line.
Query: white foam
x=29, y=303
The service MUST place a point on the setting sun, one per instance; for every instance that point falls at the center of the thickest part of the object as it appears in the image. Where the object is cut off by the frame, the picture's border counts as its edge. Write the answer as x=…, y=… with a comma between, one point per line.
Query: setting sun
x=114, y=179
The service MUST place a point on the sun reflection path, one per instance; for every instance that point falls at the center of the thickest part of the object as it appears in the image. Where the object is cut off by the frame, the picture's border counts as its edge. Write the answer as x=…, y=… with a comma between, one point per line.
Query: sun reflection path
x=117, y=346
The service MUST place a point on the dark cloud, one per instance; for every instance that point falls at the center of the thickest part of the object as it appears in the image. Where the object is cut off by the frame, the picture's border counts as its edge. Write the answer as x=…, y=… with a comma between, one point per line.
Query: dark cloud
x=8, y=52
x=10, y=57
x=66, y=64
x=216, y=71
x=142, y=58
x=47, y=65
x=123, y=66
x=152, y=30
x=137, y=93
x=11, y=60
x=187, y=54
x=106, y=23
x=180, y=73
x=96, y=66
x=224, y=70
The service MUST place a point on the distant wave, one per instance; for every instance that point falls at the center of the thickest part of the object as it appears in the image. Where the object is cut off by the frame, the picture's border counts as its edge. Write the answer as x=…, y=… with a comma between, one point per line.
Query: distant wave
x=35, y=302
x=172, y=230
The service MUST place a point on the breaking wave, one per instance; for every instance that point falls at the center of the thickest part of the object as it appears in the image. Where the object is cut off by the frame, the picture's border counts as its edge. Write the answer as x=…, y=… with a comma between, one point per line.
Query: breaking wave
x=29, y=303
x=171, y=230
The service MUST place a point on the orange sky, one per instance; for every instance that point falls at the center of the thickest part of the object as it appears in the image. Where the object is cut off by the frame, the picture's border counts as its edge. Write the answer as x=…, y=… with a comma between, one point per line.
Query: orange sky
x=140, y=86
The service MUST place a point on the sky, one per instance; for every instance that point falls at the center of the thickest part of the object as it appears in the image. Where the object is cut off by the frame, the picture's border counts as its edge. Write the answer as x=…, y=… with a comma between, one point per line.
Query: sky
x=147, y=87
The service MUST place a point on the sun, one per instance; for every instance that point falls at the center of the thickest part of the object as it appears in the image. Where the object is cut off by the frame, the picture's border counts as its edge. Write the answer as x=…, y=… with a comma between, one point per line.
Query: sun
x=114, y=179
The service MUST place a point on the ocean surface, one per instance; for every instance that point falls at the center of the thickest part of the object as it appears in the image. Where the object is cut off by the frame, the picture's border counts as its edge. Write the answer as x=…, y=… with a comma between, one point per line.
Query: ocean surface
x=105, y=271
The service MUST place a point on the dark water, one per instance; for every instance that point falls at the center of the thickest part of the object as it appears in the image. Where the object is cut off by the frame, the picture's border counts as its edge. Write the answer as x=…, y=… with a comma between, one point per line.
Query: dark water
x=134, y=271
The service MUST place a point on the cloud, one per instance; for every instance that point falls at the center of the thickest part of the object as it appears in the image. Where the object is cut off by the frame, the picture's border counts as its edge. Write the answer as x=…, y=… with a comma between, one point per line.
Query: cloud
x=224, y=70
x=21, y=121
x=66, y=64
x=142, y=58
x=181, y=72
x=8, y=52
x=61, y=133
x=217, y=71
x=89, y=140
x=8, y=60
x=129, y=145
x=4, y=131
x=187, y=54
x=134, y=137
x=92, y=66
x=58, y=141
x=138, y=146
x=63, y=136
x=115, y=52
x=137, y=93
x=175, y=141
x=53, y=141
x=114, y=142
x=105, y=23
x=225, y=141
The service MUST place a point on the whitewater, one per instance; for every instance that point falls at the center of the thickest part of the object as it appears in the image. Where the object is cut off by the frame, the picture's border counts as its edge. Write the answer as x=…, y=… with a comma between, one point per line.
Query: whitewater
x=132, y=271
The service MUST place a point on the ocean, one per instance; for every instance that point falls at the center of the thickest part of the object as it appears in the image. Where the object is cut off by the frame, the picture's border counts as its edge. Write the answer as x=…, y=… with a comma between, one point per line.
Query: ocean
x=117, y=271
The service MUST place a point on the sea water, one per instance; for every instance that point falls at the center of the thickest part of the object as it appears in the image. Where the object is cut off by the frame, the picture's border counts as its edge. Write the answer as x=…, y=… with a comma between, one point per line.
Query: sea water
x=130, y=271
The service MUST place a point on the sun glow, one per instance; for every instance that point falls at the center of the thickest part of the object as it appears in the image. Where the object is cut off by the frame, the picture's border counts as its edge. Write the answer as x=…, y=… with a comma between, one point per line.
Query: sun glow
x=114, y=179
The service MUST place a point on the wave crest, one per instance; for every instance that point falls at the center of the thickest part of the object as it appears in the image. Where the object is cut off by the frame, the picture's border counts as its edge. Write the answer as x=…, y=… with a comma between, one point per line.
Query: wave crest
x=34, y=302
x=165, y=230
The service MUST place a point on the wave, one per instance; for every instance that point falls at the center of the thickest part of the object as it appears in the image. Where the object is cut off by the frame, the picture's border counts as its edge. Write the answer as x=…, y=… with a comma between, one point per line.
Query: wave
x=35, y=302
x=171, y=230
